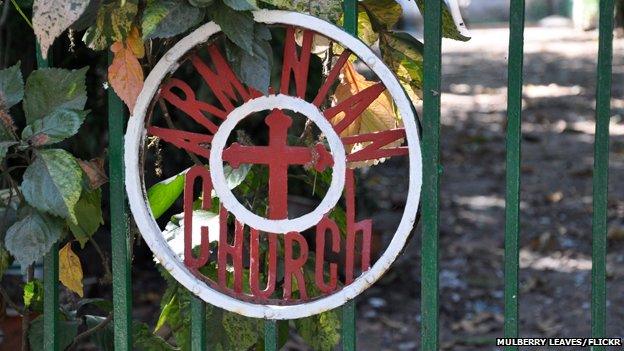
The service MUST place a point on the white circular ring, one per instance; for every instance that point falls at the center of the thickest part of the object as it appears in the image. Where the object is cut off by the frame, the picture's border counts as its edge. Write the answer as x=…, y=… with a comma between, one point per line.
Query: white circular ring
x=229, y=201
x=152, y=234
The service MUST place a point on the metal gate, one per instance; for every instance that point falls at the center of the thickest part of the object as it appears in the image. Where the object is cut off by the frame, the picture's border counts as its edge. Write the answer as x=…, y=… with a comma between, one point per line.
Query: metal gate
x=121, y=257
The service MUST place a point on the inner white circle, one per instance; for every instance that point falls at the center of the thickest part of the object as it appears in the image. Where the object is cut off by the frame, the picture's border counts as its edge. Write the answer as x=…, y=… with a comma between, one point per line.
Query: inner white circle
x=231, y=203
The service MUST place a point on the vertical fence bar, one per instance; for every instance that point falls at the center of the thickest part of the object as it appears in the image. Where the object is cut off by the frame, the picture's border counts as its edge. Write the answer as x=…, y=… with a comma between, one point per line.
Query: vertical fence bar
x=50, y=271
x=513, y=156
x=270, y=335
x=431, y=173
x=348, y=311
x=601, y=172
x=198, y=324
x=120, y=238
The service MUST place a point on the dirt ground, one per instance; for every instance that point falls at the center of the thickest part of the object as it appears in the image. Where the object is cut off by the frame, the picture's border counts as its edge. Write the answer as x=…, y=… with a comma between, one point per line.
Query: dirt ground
x=557, y=156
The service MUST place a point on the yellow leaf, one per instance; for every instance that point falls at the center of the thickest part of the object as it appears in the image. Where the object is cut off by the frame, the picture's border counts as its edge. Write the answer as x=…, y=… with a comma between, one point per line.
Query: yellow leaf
x=379, y=116
x=70, y=270
x=135, y=43
x=125, y=74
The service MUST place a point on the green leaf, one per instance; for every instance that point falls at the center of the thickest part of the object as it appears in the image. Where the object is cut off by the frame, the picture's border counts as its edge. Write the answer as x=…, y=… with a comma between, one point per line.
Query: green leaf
x=242, y=5
x=242, y=332
x=57, y=126
x=53, y=183
x=321, y=331
x=167, y=18
x=33, y=295
x=384, y=14
x=49, y=89
x=67, y=331
x=253, y=69
x=32, y=237
x=201, y=3
x=113, y=23
x=329, y=10
x=88, y=211
x=4, y=148
x=11, y=86
x=144, y=339
x=175, y=311
x=403, y=53
x=365, y=28
x=103, y=338
x=449, y=29
x=163, y=195
x=238, y=26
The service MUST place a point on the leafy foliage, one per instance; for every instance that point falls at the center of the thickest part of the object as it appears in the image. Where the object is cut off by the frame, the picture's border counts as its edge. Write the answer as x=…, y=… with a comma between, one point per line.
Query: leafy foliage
x=326, y=9
x=32, y=237
x=53, y=183
x=113, y=23
x=167, y=18
x=50, y=89
x=57, y=126
x=11, y=86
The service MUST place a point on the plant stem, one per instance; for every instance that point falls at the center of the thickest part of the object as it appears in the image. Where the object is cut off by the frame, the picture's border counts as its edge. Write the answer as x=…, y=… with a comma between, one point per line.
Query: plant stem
x=93, y=330
x=19, y=10
x=108, y=276
x=11, y=303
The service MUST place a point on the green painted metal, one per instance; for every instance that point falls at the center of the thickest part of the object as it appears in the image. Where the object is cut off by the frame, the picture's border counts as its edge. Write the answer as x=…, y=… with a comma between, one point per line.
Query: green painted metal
x=198, y=324
x=51, y=299
x=120, y=238
x=270, y=335
x=350, y=8
x=512, y=203
x=431, y=174
x=50, y=272
x=348, y=311
x=348, y=326
x=601, y=172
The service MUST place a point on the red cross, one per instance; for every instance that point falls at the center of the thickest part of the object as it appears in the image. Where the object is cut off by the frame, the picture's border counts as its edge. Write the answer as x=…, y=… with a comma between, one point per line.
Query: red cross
x=278, y=155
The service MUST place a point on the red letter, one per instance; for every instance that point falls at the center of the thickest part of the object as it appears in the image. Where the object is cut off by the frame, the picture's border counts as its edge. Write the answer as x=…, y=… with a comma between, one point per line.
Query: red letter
x=190, y=105
x=321, y=229
x=294, y=266
x=375, y=150
x=353, y=106
x=364, y=227
x=204, y=248
x=192, y=142
x=222, y=80
x=331, y=78
x=235, y=251
x=254, y=258
x=297, y=64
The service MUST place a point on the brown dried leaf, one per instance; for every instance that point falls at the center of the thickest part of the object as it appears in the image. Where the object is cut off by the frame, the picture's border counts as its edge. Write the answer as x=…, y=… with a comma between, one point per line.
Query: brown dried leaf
x=379, y=116
x=125, y=74
x=94, y=169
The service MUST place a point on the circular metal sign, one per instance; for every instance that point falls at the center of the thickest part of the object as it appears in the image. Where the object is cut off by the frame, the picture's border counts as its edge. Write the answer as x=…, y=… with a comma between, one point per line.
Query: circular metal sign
x=247, y=239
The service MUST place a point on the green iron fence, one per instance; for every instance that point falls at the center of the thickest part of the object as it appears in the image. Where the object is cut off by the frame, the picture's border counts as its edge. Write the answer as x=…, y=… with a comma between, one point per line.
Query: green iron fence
x=432, y=169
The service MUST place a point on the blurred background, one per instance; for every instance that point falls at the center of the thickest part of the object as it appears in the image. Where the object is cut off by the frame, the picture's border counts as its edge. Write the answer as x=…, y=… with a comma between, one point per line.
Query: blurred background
x=557, y=123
